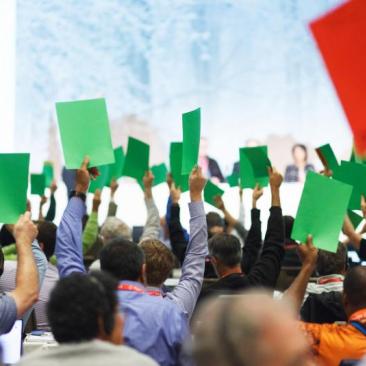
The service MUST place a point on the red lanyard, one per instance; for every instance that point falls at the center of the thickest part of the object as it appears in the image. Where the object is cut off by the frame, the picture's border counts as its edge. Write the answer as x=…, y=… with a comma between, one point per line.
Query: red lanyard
x=127, y=287
x=324, y=281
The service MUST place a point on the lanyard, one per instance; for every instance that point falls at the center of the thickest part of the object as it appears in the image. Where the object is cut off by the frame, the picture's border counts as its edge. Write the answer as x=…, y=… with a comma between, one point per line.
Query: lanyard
x=127, y=287
x=324, y=281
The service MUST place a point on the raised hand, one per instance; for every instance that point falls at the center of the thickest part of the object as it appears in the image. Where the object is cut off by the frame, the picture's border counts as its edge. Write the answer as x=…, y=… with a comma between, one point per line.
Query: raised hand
x=148, y=179
x=256, y=195
x=308, y=253
x=275, y=178
x=219, y=202
x=175, y=193
x=197, y=183
x=82, y=180
x=25, y=232
x=169, y=180
x=43, y=201
x=53, y=187
x=113, y=186
x=97, y=200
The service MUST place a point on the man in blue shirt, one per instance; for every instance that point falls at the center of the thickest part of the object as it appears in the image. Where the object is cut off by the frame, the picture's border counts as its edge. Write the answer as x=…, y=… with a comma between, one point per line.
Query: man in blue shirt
x=153, y=326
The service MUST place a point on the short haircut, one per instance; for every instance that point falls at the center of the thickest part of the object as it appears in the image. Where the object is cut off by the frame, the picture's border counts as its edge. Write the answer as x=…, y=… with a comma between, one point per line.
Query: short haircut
x=122, y=258
x=113, y=228
x=302, y=147
x=47, y=235
x=214, y=219
x=79, y=303
x=159, y=262
x=226, y=248
x=332, y=263
x=354, y=286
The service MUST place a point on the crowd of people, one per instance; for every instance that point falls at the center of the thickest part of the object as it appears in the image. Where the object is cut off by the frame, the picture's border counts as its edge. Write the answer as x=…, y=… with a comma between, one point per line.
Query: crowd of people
x=238, y=300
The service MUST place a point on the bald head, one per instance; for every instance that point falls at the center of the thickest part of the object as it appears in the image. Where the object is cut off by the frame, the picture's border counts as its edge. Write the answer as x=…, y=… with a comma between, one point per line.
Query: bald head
x=354, y=289
x=248, y=330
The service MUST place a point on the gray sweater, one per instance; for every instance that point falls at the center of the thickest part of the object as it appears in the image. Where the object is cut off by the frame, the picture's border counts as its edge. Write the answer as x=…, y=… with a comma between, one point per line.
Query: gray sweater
x=94, y=353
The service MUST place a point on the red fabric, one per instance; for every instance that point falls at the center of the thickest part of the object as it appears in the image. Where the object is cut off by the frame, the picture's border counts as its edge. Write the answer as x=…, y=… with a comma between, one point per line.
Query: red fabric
x=341, y=38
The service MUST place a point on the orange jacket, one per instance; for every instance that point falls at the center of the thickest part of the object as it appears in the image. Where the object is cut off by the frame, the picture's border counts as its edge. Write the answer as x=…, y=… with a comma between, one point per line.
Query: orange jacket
x=333, y=343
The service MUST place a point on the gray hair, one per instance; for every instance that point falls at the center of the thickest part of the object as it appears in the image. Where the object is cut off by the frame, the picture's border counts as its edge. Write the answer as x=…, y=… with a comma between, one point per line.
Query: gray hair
x=114, y=227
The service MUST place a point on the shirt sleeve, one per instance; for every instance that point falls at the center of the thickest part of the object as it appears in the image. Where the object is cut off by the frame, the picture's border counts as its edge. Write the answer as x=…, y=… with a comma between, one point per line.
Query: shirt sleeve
x=112, y=209
x=8, y=313
x=152, y=225
x=313, y=330
x=51, y=213
x=90, y=233
x=185, y=294
x=69, y=252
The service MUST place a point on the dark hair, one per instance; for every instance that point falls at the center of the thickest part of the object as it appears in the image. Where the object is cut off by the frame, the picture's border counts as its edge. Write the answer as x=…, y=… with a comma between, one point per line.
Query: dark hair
x=354, y=286
x=47, y=235
x=1, y=261
x=332, y=263
x=214, y=219
x=77, y=305
x=159, y=262
x=301, y=146
x=122, y=258
x=226, y=248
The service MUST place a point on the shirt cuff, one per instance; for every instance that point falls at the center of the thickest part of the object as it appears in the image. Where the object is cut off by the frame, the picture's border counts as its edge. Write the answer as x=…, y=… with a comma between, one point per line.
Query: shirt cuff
x=255, y=214
x=77, y=206
x=276, y=210
x=196, y=209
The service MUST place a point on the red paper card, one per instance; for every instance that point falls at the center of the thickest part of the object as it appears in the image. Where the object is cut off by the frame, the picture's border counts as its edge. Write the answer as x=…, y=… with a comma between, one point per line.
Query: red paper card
x=341, y=38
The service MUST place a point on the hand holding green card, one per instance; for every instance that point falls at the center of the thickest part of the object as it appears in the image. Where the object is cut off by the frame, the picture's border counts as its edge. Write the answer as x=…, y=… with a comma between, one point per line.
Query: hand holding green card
x=210, y=192
x=321, y=211
x=14, y=170
x=101, y=180
x=84, y=129
x=38, y=184
x=175, y=157
x=327, y=157
x=116, y=169
x=191, y=140
x=137, y=159
x=159, y=172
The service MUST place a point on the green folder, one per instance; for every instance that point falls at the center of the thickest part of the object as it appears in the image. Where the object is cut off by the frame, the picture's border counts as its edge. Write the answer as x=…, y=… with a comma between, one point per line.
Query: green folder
x=210, y=192
x=233, y=180
x=137, y=159
x=191, y=140
x=48, y=172
x=116, y=169
x=321, y=211
x=159, y=172
x=355, y=218
x=84, y=130
x=175, y=158
x=254, y=165
x=355, y=175
x=38, y=184
x=14, y=170
x=101, y=181
x=327, y=157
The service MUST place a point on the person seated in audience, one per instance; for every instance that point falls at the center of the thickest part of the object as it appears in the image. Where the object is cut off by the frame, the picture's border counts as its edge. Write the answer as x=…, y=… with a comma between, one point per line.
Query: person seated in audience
x=210, y=167
x=154, y=326
x=226, y=255
x=14, y=305
x=249, y=329
x=323, y=299
x=86, y=323
x=46, y=239
x=332, y=343
x=296, y=172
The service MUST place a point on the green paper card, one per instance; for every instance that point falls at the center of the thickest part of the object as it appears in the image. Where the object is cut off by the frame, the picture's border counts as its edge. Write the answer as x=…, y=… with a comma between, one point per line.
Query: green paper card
x=38, y=184
x=84, y=130
x=191, y=140
x=355, y=175
x=101, y=181
x=14, y=170
x=175, y=157
x=233, y=180
x=321, y=211
x=116, y=169
x=355, y=218
x=210, y=192
x=254, y=165
x=137, y=159
x=159, y=172
x=327, y=157
x=48, y=172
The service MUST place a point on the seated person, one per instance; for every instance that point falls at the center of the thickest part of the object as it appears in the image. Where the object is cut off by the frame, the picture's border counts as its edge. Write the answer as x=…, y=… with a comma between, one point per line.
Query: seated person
x=85, y=321
x=296, y=172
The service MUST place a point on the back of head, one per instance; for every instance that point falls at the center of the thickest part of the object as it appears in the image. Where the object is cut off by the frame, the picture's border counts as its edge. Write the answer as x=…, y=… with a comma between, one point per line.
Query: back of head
x=113, y=228
x=332, y=263
x=354, y=288
x=79, y=304
x=225, y=248
x=215, y=223
x=47, y=236
x=123, y=259
x=159, y=262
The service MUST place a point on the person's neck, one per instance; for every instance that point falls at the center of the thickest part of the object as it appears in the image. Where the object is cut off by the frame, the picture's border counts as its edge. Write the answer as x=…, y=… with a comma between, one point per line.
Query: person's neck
x=227, y=271
x=301, y=164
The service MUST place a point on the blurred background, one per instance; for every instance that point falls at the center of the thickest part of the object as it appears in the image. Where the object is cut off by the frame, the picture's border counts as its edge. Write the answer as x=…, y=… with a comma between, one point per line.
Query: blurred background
x=251, y=65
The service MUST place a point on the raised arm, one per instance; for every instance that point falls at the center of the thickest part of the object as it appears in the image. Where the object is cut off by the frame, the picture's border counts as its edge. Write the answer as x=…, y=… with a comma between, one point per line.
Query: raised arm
x=152, y=225
x=185, y=294
x=50, y=216
x=69, y=252
x=266, y=270
x=112, y=208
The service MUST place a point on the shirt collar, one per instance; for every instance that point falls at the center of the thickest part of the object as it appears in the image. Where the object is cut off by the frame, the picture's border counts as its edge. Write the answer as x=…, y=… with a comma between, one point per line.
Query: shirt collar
x=133, y=283
x=330, y=278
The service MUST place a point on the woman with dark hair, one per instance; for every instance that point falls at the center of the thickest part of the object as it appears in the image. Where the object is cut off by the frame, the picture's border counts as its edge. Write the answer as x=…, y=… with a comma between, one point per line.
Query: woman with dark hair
x=297, y=172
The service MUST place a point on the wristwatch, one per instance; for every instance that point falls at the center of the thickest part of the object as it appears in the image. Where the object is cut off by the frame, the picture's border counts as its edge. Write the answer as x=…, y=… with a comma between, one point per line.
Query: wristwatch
x=81, y=195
